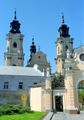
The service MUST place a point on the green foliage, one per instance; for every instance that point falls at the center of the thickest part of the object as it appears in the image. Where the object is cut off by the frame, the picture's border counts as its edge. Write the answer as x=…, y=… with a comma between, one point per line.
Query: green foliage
x=13, y=109
x=82, y=92
x=81, y=85
x=81, y=96
x=57, y=81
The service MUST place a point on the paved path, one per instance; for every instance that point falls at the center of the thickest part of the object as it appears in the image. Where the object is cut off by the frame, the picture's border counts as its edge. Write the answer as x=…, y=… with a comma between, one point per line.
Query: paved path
x=48, y=116
x=65, y=116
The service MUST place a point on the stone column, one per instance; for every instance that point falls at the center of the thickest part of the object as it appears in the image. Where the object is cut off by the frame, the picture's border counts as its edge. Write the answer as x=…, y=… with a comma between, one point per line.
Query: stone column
x=71, y=95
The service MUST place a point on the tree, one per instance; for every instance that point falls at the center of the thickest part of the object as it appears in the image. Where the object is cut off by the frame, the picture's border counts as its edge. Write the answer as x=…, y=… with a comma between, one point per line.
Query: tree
x=57, y=81
x=81, y=96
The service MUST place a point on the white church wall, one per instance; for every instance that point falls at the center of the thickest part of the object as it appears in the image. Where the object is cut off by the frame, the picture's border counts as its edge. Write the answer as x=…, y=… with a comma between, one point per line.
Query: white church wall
x=14, y=81
x=13, y=94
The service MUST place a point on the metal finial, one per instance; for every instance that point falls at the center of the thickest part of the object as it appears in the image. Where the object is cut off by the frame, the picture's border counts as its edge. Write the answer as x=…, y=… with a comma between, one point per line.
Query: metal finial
x=39, y=48
x=15, y=15
x=33, y=38
x=62, y=18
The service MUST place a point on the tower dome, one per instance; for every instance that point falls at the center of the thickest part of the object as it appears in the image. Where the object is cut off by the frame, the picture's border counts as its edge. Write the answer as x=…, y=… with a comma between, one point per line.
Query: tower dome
x=64, y=30
x=15, y=25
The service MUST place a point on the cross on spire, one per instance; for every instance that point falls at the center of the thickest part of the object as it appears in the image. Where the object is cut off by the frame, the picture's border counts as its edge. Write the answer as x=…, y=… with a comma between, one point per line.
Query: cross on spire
x=39, y=48
x=62, y=18
x=33, y=38
x=15, y=15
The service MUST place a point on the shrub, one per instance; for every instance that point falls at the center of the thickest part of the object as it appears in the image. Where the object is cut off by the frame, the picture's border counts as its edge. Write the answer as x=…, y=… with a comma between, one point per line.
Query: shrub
x=13, y=109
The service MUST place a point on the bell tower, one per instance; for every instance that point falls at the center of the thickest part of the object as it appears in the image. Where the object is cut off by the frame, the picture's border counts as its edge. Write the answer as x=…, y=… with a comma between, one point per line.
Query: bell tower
x=14, y=55
x=64, y=45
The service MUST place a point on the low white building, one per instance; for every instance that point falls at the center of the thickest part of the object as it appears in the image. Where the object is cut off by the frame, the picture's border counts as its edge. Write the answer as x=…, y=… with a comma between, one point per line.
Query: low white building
x=16, y=80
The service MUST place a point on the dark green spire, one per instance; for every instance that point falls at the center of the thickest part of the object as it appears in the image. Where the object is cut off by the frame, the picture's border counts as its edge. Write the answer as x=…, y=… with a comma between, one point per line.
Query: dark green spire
x=33, y=47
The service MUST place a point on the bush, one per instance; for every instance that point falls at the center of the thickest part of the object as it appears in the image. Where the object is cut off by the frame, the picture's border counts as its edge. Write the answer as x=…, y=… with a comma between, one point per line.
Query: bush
x=13, y=109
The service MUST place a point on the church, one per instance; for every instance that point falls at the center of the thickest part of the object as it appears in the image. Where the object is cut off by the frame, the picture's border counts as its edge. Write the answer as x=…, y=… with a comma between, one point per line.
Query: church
x=33, y=82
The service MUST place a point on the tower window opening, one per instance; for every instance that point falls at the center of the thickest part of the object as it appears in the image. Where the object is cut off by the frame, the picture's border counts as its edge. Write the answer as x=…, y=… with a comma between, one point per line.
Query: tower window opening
x=15, y=45
x=66, y=47
x=8, y=57
x=61, y=42
x=39, y=57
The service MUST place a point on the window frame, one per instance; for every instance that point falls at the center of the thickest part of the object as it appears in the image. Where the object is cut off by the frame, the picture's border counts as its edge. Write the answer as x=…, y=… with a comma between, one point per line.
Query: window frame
x=6, y=85
x=20, y=85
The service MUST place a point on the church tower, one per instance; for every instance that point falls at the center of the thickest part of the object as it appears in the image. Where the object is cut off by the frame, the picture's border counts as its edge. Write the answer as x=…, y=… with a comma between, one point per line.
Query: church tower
x=14, y=55
x=64, y=46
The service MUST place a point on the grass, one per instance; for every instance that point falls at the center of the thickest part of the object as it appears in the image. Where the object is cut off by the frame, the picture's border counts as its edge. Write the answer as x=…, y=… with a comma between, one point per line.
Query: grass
x=25, y=116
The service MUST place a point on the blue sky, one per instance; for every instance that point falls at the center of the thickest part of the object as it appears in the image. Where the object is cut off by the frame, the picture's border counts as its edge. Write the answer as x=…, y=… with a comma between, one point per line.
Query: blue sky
x=42, y=18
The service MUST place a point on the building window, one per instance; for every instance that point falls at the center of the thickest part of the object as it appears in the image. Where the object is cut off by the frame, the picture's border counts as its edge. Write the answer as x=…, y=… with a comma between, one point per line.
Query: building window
x=20, y=86
x=15, y=45
x=5, y=85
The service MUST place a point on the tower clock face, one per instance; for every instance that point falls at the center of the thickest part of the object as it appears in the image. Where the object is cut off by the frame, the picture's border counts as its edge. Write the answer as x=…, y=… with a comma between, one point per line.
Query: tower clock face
x=81, y=56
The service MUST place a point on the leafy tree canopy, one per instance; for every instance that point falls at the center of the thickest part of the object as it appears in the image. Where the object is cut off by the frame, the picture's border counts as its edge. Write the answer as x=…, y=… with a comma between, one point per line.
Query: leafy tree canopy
x=57, y=81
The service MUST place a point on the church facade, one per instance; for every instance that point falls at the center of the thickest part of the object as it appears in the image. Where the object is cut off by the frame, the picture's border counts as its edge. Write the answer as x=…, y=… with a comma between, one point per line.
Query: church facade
x=70, y=64
x=33, y=82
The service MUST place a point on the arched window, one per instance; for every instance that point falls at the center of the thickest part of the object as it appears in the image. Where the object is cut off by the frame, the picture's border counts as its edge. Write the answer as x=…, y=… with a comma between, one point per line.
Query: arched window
x=15, y=45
